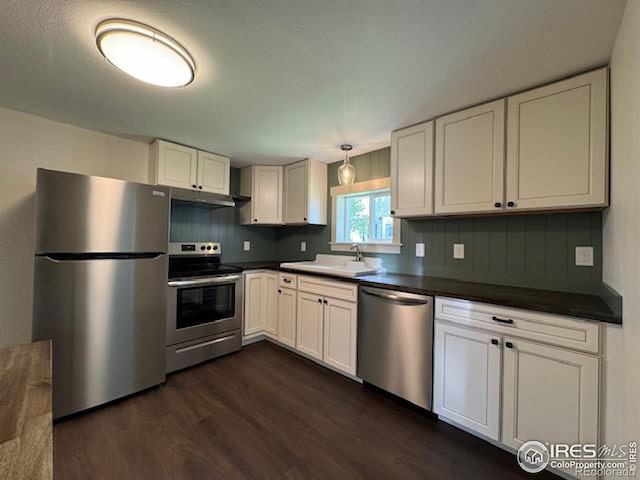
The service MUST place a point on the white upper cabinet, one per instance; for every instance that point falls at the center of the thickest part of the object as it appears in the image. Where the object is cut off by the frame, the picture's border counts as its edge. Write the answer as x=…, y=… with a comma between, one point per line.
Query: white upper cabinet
x=549, y=394
x=469, y=160
x=466, y=381
x=184, y=167
x=214, y=173
x=264, y=185
x=412, y=171
x=174, y=165
x=557, y=145
x=305, y=193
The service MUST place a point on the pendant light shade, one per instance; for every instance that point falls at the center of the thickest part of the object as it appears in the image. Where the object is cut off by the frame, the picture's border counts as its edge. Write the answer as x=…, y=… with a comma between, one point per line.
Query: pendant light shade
x=346, y=172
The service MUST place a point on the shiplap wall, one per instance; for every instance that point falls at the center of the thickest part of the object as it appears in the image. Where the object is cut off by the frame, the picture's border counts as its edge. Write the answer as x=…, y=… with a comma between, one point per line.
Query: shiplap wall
x=535, y=251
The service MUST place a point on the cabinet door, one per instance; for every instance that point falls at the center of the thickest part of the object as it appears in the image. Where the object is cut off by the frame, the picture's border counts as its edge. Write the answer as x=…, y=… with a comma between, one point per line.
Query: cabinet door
x=549, y=394
x=270, y=305
x=466, y=381
x=287, y=316
x=296, y=200
x=340, y=334
x=309, y=324
x=557, y=145
x=267, y=195
x=177, y=165
x=253, y=301
x=412, y=171
x=213, y=173
x=469, y=161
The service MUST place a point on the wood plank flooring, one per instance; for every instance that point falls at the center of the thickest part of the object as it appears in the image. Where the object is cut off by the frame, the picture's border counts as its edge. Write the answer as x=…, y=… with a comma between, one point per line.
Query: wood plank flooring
x=267, y=413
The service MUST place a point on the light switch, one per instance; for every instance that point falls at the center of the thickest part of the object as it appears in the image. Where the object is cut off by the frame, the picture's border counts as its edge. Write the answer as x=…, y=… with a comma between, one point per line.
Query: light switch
x=303, y=246
x=419, y=249
x=247, y=245
x=584, y=256
x=458, y=251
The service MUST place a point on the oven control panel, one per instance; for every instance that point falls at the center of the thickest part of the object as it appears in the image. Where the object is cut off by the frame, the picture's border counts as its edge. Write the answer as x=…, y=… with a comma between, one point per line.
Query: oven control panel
x=194, y=248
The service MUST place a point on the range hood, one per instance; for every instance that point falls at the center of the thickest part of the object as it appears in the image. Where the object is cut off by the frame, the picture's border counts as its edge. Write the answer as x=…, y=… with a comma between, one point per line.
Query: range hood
x=192, y=196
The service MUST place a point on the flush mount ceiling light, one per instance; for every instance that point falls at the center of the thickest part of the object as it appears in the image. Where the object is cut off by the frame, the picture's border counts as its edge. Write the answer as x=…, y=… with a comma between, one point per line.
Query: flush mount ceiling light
x=346, y=172
x=145, y=53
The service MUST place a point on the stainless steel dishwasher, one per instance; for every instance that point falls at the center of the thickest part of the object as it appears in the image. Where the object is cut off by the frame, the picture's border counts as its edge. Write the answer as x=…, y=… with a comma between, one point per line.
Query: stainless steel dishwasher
x=395, y=343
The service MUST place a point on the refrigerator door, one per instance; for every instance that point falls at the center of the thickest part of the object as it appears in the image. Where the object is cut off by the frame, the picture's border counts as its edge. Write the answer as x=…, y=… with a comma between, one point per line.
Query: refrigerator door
x=106, y=319
x=82, y=214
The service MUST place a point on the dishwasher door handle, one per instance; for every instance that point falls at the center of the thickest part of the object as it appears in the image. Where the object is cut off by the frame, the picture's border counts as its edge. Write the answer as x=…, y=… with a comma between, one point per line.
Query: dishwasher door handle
x=396, y=298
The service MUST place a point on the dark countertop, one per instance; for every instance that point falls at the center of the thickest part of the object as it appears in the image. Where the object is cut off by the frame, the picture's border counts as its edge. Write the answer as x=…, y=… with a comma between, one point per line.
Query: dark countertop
x=588, y=307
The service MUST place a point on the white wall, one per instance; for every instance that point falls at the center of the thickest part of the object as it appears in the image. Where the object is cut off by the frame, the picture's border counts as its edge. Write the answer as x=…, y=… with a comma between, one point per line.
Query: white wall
x=621, y=236
x=28, y=142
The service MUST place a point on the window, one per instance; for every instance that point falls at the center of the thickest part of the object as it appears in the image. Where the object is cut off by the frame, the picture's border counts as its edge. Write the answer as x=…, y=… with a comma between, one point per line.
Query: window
x=362, y=214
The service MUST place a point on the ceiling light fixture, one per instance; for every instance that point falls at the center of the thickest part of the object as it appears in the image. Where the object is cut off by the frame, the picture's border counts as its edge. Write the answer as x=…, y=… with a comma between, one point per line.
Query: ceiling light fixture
x=145, y=53
x=346, y=172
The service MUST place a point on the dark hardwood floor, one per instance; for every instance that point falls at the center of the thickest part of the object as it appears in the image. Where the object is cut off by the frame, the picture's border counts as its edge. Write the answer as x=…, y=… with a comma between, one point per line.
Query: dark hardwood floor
x=268, y=413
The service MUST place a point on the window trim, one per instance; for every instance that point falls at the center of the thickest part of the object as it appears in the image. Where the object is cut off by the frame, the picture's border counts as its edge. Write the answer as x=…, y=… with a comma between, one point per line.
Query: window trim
x=393, y=247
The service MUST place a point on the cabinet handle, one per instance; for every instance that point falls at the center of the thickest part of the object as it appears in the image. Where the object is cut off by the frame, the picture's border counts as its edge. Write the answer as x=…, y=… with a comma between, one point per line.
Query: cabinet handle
x=511, y=204
x=325, y=301
x=508, y=344
x=495, y=342
x=286, y=280
x=498, y=204
x=502, y=320
x=319, y=300
x=255, y=219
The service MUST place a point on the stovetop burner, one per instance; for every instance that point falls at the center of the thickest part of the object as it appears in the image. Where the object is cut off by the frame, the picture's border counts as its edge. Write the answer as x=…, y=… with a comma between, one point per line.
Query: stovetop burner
x=197, y=259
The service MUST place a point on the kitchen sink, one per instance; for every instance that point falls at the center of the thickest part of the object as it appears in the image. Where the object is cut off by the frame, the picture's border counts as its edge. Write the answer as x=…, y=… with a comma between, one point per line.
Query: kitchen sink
x=341, y=265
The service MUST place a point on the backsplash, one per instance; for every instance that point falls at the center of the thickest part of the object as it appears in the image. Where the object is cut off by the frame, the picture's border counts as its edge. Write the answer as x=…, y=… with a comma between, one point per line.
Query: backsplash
x=536, y=251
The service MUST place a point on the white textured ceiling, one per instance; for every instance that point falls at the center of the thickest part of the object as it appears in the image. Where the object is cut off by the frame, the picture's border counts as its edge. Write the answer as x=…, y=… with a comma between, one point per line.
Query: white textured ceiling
x=287, y=79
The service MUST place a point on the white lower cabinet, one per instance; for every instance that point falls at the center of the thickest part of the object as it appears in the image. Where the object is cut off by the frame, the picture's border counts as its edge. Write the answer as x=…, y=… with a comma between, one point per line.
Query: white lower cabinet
x=466, y=378
x=550, y=394
x=340, y=332
x=287, y=306
x=501, y=381
x=309, y=324
x=261, y=303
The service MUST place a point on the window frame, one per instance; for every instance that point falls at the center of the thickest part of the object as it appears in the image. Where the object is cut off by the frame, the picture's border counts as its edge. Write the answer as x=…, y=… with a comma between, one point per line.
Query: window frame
x=376, y=246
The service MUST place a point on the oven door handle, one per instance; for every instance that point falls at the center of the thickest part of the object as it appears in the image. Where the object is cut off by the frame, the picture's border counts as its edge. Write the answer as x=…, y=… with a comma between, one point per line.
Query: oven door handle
x=205, y=281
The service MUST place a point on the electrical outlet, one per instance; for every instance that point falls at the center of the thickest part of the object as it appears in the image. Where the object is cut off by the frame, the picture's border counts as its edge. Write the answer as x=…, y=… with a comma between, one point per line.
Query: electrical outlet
x=303, y=246
x=419, y=249
x=584, y=256
x=247, y=245
x=458, y=251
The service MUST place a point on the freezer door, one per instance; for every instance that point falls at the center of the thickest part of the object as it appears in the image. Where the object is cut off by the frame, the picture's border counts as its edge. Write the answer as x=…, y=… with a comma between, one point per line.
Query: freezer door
x=82, y=214
x=107, y=321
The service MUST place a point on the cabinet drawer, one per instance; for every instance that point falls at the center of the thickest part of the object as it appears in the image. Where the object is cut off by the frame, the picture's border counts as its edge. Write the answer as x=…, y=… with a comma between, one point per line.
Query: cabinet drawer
x=551, y=329
x=328, y=288
x=189, y=353
x=288, y=280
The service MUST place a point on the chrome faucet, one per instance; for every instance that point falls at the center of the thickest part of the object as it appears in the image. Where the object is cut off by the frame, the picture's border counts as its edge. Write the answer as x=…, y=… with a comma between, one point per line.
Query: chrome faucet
x=356, y=247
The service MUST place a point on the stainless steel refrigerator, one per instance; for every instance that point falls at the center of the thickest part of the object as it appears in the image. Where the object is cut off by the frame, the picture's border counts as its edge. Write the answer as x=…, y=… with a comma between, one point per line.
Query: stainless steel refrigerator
x=100, y=286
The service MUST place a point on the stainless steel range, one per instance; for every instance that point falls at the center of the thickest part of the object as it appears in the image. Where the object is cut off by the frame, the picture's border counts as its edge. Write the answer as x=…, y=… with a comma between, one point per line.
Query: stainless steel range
x=204, y=305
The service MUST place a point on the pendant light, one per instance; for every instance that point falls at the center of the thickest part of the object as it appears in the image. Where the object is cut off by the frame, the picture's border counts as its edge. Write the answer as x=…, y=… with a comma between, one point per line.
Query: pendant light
x=346, y=172
x=145, y=53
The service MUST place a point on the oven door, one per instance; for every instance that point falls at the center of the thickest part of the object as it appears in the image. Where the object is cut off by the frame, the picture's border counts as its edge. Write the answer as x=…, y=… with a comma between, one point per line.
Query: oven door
x=204, y=306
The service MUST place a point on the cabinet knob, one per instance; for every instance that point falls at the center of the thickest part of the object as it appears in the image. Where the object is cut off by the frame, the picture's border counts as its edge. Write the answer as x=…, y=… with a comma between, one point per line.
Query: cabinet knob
x=194, y=186
x=255, y=219
x=279, y=291
x=305, y=219
x=508, y=344
x=200, y=187
x=319, y=300
x=498, y=204
x=325, y=301
x=511, y=204
x=393, y=212
x=495, y=342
